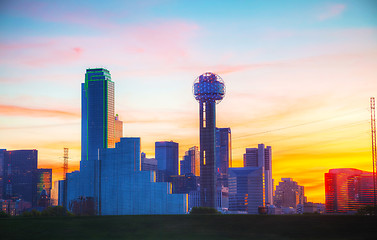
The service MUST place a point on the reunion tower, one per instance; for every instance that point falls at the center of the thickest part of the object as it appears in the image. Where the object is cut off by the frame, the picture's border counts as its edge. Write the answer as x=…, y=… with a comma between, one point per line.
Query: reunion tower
x=208, y=89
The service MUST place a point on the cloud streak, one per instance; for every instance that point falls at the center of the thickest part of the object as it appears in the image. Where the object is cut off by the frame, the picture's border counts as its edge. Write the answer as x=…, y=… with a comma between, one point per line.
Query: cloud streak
x=13, y=110
x=332, y=11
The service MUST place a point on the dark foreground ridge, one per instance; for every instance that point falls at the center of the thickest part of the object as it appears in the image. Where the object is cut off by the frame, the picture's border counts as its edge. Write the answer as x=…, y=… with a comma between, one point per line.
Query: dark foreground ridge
x=191, y=227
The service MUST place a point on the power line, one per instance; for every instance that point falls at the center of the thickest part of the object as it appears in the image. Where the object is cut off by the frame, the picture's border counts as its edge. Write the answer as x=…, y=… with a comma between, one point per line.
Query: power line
x=297, y=125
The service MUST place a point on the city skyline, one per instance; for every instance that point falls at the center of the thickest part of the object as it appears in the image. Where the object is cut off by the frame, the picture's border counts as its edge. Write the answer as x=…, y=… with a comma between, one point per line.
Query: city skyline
x=299, y=77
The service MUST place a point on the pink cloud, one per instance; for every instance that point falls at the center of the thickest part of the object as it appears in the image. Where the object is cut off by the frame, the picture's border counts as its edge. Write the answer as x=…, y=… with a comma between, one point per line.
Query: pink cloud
x=152, y=45
x=332, y=11
x=169, y=40
x=25, y=45
x=40, y=52
x=77, y=50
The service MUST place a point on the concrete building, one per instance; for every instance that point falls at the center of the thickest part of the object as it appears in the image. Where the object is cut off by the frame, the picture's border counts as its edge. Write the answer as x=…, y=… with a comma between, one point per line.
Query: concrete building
x=289, y=194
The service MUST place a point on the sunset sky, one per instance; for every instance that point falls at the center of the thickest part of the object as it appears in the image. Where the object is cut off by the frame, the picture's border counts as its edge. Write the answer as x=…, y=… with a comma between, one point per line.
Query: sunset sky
x=298, y=75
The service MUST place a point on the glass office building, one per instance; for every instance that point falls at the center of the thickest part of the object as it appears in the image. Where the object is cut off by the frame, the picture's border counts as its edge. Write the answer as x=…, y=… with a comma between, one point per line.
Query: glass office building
x=19, y=175
x=347, y=189
x=261, y=154
x=97, y=125
x=246, y=189
x=191, y=162
x=166, y=154
x=44, y=181
x=223, y=155
x=124, y=189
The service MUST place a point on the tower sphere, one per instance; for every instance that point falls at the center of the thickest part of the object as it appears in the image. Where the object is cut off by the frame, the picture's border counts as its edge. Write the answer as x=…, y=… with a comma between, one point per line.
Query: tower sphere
x=209, y=87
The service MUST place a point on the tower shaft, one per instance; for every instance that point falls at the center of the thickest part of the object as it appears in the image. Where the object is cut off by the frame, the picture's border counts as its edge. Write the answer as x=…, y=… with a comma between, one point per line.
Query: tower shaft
x=207, y=153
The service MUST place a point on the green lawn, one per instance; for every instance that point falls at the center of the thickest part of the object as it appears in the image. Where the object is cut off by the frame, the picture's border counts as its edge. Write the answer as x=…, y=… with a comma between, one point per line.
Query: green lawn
x=191, y=227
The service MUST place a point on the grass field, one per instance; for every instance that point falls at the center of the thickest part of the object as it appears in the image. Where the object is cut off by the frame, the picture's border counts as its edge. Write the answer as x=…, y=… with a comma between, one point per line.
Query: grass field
x=191, y=227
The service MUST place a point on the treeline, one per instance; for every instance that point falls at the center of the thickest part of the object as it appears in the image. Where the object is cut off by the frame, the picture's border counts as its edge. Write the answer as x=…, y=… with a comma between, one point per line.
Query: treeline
x=56, y=211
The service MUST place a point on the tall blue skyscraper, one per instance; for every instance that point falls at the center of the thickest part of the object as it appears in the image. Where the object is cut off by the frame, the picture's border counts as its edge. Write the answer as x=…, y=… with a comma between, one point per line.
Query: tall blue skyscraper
x=208, y=90
x=166, y=154
x=97, y=126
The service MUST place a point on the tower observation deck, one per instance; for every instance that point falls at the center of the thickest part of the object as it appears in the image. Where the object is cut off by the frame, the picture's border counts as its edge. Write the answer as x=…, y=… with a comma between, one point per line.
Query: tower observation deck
x=208, y=89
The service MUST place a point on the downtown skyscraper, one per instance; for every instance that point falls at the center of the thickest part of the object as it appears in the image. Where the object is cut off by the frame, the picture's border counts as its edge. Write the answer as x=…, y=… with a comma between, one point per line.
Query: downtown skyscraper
x=97, y=125
x=261, y=154
x=20, y=175
x=289, y=194
x=223, y=155
x=191, y=162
